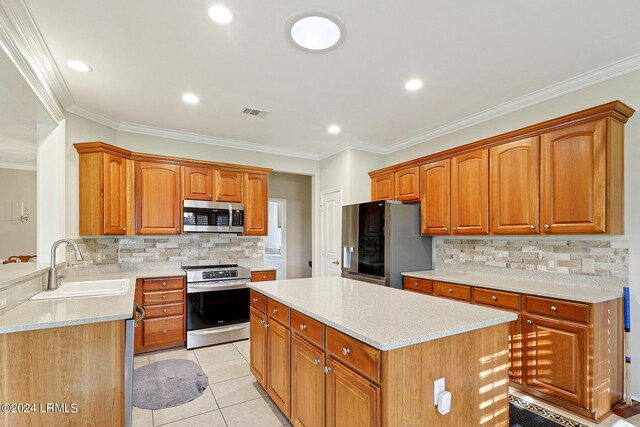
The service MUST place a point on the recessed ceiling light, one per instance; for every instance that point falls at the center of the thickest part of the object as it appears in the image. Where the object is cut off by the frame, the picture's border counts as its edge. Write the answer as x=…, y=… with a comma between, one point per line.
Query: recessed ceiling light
x=333, y=129
x=220, y=14
x=76, y=65
x=190, y=98
x=316, y=31
x=413, y=84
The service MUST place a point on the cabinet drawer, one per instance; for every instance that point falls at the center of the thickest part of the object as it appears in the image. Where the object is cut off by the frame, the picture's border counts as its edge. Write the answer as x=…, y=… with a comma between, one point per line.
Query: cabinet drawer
x=557, y=308
x=164, y=330
x=450, y=290
x=162, y=284
x=164, y=310
x=263, y=276
x=496, y=298
x=308, y=328
x=356, y=354
x=149, y=298
x=418, y=285
x=278, y=311
x=258, y=301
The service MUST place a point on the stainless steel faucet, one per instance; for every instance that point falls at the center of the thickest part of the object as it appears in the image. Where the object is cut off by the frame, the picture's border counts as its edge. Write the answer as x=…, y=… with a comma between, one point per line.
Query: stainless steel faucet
x=54, y=278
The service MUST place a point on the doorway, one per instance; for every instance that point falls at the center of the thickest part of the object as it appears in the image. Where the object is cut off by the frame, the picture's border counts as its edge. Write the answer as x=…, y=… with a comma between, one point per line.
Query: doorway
x=331, y=232
x=275, y=244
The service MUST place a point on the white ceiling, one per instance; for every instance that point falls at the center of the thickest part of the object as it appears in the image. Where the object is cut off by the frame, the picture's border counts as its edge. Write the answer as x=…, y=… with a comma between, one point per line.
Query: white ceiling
x=17, y=133
x=472, y=55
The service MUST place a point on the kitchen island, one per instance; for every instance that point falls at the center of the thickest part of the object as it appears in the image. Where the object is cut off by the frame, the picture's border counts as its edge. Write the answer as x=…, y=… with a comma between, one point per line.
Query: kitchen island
x=334, y=351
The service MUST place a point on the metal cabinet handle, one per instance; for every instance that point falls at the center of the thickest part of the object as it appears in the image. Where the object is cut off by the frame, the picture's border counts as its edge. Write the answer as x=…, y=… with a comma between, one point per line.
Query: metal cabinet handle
x=346, y=351
x=415, y=283
x=327, y=369
x=164, y=331
x=554, y=308
x=178, y=230
x=266, y=325
x=316, y=361
x=164, y=283
x=450, y=290
x=494, y=298
x=218, y=196
x=530, y=322
x=446, y=229
x=164, y=310
x=142, y=314
x=303, y=327
x=210, y=196
x=164, y=297
x=255, y=300
x=264, y=276
x=261, y=322
x=275, y=310
x=124, y=228
x=455, y=228
x=547, y=226
x=533, y=227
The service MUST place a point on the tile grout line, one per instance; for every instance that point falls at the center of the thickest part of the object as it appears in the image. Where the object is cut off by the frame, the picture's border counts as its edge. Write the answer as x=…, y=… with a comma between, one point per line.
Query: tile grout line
x=186, y=418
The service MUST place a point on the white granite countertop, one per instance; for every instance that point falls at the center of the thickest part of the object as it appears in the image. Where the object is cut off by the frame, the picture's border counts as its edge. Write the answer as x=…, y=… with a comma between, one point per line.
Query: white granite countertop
x=19, y=271
x=382, y=317
x=525, y=286
x=257, y=266
x=43, y=314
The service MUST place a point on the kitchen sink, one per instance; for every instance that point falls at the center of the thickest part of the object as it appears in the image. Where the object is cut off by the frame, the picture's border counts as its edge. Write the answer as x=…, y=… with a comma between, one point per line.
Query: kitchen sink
x=89, y=288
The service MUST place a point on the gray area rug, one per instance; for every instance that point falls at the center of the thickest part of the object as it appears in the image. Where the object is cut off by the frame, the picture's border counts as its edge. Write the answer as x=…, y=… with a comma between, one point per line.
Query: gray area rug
x=168, y=383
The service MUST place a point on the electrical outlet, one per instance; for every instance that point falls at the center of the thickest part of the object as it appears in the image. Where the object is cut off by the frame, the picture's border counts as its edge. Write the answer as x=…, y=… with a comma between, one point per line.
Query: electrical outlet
x=588, y=265
x=3, y=302
x=552, y=264
x=438, y=387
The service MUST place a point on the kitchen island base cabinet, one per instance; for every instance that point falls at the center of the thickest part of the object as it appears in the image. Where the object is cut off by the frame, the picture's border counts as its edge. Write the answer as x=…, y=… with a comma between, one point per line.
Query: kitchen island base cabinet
x=351, y=399
x=307, y=384
x=258, y=346
x=278, y=365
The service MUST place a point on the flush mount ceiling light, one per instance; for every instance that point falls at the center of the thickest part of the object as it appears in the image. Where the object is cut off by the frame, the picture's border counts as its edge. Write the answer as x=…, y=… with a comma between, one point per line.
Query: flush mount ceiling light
x=333, y=129
x=413, y=84
x=190, y=98
x=316, y=31
x=220, y=14
x=76, y=65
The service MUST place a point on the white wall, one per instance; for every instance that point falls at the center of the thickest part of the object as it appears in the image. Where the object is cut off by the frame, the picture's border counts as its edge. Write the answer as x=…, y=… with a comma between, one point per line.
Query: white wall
x=17, y=187
x=349, y=170
x=626, y=89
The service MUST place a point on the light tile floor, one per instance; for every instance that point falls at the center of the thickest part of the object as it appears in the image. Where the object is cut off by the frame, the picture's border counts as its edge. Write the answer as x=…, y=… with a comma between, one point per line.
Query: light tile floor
x=234, y=398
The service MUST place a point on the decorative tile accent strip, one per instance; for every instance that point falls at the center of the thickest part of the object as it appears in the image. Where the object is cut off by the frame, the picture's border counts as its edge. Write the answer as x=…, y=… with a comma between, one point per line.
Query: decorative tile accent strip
x=189, y=248
x=544, y=413
x=527, y=258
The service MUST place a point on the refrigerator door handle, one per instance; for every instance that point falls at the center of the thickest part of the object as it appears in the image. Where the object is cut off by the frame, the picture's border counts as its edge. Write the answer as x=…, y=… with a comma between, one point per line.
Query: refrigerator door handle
x=347, y=253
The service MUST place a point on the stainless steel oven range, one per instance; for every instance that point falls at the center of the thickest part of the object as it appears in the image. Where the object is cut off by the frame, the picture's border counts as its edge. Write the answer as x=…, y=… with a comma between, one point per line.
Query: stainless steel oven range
x=217, y=304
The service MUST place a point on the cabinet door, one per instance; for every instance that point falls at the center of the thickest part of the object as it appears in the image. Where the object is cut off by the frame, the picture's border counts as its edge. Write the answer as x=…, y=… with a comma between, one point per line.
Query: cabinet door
x=515, y=171
x=256, y=201
x=138, y=332
x=258, y=345
x=158, y=199
x=574, y=171
x=407, y=184
x=470, y=193
x=114, y=181
x=515, y=350
x=382, y=187
x=555, y=358
x=198, y=183
x=307, y=384
x=352, y=400
x=278, y=366
x=229, y=186
x=435, y=198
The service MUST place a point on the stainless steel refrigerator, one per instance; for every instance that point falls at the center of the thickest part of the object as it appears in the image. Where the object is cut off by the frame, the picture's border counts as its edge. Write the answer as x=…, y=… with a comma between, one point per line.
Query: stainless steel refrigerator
x=382, y=239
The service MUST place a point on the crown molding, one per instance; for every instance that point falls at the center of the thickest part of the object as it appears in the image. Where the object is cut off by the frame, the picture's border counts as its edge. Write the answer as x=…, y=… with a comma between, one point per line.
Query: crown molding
x=93, y=116
x=353, y=145
x=22, y=42
x=18, y=166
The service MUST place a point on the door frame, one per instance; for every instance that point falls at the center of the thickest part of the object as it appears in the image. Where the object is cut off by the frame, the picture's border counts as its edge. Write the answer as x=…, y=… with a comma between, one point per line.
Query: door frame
x=283, y=232
x=323, y=195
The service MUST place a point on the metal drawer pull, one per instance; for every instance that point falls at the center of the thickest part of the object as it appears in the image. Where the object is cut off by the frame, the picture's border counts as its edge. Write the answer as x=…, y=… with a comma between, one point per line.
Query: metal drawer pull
x=275, y=310
x=415, y=283
x=164, y=331
x=494, y=298
x=303, y=327
x=255, y=300
x=164, y=297
x=261, y=322
x=346, y=351
x=546, y=226
x=164, y=310
x=327, y=369
x=450, y=290
x=266, y=325
x=554, y=308
x=164, y=283
x=264, y=277
x=316, y=361
x=530, y=322
x=533, y=227
x=446, y=229
x=455, y=228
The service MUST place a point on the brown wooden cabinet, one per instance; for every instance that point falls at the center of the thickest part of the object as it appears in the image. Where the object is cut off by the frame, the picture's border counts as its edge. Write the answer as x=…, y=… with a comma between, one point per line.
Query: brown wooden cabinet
x=263, y=276
x=256, y=204
x=228, y=186
x=307, y=384
x=470, y=193
x=164, y=326
x=258, y=345
x=158, y=198
x=197, y=182
x=582, y=179
x=515, y=196
x=435, y=199
x=407, y=184
x=383, y=187
x=278, y=365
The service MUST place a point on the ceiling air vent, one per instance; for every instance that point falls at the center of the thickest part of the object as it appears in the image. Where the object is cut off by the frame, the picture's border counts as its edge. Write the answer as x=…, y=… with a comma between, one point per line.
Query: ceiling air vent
x=253, y=112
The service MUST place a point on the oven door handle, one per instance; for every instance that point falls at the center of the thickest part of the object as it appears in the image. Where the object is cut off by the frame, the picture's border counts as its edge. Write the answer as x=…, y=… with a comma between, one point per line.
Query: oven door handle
x=195, y=287
x=218, y=330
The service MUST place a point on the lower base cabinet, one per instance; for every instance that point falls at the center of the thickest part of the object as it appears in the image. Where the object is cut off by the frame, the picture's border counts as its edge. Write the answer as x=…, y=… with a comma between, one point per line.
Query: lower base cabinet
x=307, y=384
x=258, y=345
x=278, y=363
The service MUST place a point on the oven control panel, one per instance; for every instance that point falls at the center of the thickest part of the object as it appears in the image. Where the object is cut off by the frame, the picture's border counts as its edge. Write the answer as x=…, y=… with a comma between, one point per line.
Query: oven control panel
x=220, y=274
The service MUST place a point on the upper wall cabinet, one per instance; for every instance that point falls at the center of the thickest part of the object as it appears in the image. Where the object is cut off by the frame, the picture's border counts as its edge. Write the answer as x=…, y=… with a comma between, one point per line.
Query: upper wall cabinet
x=256, y=204
x=582, y=179
x=382, y=187
x=470, y=193
x=103, y=179
x=435, y=215
x=158, y=198
x=229, y=186
x=407, y=184
x=197, y=182
x=515, y=171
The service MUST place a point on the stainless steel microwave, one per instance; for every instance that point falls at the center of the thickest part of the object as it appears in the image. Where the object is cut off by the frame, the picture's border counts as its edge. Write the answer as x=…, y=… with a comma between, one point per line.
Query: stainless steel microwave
x=212, y=217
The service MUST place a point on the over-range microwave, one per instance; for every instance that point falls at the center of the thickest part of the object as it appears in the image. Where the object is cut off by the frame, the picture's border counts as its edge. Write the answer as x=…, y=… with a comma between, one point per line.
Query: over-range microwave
x=212, y=217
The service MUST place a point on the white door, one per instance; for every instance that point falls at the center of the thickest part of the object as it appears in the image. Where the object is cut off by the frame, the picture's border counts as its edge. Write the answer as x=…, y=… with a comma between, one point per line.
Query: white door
x=331, y=232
